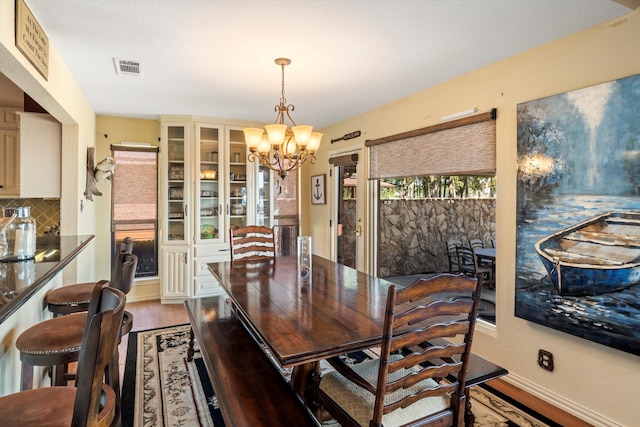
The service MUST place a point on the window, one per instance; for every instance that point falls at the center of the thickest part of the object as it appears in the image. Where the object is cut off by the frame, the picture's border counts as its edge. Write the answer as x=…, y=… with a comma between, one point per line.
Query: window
x=134, y=203
x=436, y=184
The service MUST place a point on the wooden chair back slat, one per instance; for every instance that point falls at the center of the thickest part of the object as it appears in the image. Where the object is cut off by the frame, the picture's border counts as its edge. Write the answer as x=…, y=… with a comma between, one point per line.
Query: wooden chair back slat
x=252, y=242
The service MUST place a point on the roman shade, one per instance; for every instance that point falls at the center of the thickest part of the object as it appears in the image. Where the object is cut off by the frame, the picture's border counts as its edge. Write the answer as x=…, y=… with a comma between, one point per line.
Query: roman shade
x=135, y=188
x=461, y=147
x=347, y=159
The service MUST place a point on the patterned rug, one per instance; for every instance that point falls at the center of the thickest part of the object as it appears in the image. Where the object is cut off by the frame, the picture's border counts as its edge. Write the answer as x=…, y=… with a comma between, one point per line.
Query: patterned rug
x=160, y=388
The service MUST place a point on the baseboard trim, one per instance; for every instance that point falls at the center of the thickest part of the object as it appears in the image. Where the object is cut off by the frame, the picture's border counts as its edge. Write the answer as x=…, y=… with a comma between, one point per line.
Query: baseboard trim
x=144, y=290
x=562, y=411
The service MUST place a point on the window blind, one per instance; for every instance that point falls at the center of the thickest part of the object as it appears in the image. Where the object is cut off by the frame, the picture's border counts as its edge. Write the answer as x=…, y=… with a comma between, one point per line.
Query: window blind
x=461, y=147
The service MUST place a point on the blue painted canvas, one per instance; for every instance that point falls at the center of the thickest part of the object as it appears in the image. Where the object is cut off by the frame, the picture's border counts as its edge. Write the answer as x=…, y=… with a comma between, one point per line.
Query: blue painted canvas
x=578, y=213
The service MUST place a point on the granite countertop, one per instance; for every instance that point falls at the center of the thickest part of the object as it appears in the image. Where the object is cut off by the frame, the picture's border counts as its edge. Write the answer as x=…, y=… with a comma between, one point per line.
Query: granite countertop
x=20, y=280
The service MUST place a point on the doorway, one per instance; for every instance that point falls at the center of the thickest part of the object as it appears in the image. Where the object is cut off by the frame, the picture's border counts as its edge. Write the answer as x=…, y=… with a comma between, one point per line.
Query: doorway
x=347, y=204
x=348, y=216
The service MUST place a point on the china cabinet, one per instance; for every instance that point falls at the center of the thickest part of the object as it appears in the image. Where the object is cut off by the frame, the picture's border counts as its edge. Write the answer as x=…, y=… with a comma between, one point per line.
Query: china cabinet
x=206, y=186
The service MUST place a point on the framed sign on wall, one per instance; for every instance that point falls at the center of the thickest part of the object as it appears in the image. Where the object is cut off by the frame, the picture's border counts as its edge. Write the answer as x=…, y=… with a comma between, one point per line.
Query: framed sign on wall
x=317, y=190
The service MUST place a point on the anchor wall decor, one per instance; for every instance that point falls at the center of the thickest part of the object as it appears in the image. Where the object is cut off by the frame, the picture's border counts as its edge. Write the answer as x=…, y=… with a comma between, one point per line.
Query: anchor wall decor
x=318, y=195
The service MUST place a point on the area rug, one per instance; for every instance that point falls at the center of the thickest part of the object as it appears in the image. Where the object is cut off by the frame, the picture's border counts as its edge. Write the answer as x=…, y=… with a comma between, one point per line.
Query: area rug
x=161, y=388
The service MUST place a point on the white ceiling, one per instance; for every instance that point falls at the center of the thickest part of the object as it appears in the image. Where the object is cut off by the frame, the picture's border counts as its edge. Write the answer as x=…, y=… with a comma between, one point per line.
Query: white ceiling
x=216, y=58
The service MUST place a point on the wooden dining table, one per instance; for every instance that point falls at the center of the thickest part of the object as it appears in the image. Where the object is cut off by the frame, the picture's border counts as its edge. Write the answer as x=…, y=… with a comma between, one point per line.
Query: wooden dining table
x=340, y=311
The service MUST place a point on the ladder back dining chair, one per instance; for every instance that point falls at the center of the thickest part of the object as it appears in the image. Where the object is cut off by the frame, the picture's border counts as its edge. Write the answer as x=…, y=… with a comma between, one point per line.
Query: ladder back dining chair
x=404, y=386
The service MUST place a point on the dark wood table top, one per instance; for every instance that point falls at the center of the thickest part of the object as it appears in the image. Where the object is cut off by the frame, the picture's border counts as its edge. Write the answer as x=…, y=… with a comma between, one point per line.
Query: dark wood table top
x=341, y=311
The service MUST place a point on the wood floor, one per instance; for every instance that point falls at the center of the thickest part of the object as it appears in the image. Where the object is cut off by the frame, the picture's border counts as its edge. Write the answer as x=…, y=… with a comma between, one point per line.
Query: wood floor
x=152, y=314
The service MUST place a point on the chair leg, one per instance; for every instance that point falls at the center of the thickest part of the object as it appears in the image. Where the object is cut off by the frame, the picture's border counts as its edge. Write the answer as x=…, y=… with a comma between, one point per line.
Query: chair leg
x=469, y=417
x=59, y=375
x=112, y=378
x=27, y=377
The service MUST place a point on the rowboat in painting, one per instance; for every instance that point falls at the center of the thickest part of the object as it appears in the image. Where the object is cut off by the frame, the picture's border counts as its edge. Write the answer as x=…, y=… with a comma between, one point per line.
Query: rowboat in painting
x=593, y=257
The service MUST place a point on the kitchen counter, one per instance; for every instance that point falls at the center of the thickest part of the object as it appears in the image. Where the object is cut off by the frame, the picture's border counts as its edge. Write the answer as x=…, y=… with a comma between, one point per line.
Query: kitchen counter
x=19, y=281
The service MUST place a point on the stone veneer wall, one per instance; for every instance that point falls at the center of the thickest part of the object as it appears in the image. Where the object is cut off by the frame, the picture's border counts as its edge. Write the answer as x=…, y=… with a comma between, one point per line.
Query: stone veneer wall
x=413, y=233
x=347, y=240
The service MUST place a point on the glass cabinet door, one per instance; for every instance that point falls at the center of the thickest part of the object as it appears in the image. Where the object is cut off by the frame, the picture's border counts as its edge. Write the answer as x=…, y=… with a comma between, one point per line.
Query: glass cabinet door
x=237, y=208
x=208, y=189
x=264, y=197
x=176, y=226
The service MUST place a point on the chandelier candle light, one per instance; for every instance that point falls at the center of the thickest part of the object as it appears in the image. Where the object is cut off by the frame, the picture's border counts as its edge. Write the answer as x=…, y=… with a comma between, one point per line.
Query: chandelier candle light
x=291, y=147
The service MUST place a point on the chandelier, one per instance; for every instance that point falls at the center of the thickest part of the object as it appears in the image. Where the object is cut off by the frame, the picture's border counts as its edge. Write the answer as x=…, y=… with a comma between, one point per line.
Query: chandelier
x=282, y=149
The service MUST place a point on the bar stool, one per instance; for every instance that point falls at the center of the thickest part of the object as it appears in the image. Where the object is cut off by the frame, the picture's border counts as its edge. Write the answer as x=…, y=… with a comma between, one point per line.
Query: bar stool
x=57, y=342
x=75, y=298
x=91, y=402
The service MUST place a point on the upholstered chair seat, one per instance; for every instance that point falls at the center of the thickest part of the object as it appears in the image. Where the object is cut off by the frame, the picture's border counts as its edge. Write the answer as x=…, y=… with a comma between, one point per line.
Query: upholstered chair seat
x=359, y=402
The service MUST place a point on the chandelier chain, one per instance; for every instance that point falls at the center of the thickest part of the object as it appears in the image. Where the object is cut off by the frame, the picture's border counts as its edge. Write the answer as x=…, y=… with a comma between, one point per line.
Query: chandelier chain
x=283, y=100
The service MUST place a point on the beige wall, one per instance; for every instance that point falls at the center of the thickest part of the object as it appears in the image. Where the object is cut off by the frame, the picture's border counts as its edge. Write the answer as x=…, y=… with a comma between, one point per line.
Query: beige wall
x=63, y=99
x=597, y=383
x=116, y=130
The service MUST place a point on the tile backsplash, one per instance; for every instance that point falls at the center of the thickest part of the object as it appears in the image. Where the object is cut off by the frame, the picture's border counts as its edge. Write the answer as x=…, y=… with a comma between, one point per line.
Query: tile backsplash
x=46, y=212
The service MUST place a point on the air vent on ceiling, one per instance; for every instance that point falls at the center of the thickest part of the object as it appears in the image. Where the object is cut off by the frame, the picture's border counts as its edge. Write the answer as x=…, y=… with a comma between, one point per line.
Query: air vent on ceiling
x=128, y=67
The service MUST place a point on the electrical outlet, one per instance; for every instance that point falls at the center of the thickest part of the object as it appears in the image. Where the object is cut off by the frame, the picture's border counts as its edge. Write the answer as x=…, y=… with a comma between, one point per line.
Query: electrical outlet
x=545, y=360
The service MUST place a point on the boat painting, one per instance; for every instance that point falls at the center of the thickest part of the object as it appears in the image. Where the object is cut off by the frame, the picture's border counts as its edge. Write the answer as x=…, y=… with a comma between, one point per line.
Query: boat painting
x=594, y=257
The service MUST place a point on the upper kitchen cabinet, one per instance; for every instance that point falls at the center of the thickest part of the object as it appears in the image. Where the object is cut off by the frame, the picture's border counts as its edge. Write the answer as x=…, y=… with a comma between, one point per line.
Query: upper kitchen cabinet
x=9, y=152
x=40, y=147
x=29, y=141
